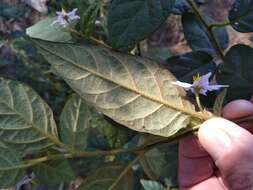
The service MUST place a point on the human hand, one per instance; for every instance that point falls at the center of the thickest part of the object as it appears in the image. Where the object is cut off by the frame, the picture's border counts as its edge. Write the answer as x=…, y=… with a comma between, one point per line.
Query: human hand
x=222, y=158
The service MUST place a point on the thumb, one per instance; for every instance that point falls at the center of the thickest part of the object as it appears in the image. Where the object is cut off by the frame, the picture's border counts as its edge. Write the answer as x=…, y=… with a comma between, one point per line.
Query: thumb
x=231, y=147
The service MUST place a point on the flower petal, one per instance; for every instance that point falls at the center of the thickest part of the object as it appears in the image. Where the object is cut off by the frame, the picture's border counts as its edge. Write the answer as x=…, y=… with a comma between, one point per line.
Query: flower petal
x=203, y=91
x=203, y=81
x=182, y=84
x=216, y=87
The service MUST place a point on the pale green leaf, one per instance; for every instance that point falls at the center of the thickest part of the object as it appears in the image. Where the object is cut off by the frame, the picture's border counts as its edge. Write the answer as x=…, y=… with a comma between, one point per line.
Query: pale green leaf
x=219, y=102
x=11, y=167
x=152, y=185
x=75, y=122
x=26, y=121
x=80, y=124
x=44, y=30
x=104, y=177
x=54, y=172
x=133, y=91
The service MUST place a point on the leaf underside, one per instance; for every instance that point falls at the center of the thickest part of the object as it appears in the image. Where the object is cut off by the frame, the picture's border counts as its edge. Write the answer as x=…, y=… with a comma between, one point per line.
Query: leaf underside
x=26, y=121
x=133, y=91
x=75, y=121
x=11, y=169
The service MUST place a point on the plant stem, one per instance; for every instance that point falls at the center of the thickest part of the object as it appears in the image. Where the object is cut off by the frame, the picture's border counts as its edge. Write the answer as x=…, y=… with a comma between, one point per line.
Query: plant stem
x=198, y=102
x=175, y=138
x=124, y=172
x=99, y=42
x=209, y=30
x=219, y=25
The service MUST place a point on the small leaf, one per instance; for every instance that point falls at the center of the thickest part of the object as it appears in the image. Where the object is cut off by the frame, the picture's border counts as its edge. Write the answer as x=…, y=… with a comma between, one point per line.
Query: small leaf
x=26, y=121
x=197, y=36
x=130, y=21
x=152, y=185
x=185, y=66
x=237, y=72
x=45, y=31
x=80, y=125
x=241, y=15
x=88, y=19
x=11, y=167
x=133, y=91
x=54, y=172
x=218, y=104
x=104, y=177
x=75, y=122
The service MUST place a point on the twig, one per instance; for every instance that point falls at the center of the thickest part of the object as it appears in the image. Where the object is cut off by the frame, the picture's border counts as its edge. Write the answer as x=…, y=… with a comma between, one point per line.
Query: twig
x=144, y=148
x=124, y=172
x=219, y=25
x=73, y=31
x=209, y=30
x=198, y=102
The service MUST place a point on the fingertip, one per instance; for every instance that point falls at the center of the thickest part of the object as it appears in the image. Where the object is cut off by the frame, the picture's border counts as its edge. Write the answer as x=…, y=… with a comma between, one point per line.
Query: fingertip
x=216, y=134
x=237, y=109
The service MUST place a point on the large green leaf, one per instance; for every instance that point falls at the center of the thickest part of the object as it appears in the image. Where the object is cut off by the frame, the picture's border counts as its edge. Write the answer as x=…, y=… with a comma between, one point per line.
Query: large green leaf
x=185, y=66
x=26, y=121
x=237, y=72
x=161, y=162
x=54, y=172
x=159, y=54
x=181, y=6
x=131, y=21
x=241, y=15
x=133, y=91
x=197, y=36
x=105, y=177
x=11, y=167
x=44, y=30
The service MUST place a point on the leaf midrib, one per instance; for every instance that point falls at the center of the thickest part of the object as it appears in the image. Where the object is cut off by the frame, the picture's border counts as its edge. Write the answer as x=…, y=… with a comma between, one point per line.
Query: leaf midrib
x=136, y=91
x=48, y=136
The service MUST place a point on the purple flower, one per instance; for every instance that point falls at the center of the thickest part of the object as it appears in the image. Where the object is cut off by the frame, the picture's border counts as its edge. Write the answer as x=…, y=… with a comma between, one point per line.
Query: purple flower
x=200, y=85
x=64, y=18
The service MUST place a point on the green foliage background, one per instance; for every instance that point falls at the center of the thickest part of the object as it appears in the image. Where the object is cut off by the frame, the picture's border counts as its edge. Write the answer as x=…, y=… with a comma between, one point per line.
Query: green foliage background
x=58, y=129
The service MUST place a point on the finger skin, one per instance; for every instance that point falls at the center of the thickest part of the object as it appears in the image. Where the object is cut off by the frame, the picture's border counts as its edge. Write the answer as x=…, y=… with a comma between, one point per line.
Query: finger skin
x=212, y=183
x=231, y=149
x=195, y=165
x=237, y=109
x=192, y=156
